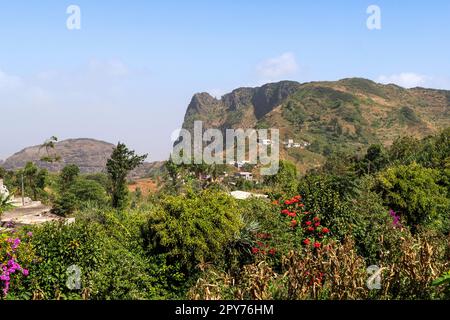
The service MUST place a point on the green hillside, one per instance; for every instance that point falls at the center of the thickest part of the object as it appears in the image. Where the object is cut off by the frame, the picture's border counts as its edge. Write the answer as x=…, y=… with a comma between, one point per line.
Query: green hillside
x=346, y=115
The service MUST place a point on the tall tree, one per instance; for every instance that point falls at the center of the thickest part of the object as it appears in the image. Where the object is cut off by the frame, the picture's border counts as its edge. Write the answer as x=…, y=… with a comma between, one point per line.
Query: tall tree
x=35, y=180
x=286, y=180
x=122, y=161
x=68, y=176
x=173, y=170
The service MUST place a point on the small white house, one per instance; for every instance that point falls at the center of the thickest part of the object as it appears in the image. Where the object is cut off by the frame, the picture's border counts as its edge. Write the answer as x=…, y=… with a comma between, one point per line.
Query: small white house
x=288, y=143
x=265, y=142
x=240, y=164
x=291, y=144
x=244, y=175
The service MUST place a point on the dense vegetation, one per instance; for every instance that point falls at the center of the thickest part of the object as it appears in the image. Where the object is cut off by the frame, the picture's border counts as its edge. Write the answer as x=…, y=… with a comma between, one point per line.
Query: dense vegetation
x=313, y=239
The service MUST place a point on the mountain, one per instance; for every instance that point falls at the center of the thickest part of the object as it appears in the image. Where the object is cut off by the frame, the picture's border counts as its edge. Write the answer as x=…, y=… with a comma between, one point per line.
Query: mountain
x=346, y=115
x=89, y=155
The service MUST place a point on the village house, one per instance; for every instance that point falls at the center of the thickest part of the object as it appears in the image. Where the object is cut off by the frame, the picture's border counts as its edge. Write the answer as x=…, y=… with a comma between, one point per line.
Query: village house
x=239, y=164
x=291, y=144
x=265, y=142
x=244, y=175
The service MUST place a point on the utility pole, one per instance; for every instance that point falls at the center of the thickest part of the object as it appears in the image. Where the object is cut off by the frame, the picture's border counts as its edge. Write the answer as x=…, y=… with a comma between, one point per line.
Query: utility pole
x=23, y=193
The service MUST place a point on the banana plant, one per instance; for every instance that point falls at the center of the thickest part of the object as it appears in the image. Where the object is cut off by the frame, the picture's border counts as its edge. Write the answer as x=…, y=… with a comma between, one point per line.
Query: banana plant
x=444, y=279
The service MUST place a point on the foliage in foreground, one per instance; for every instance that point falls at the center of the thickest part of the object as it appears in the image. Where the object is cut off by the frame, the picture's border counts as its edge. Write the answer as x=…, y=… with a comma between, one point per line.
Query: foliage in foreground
x=388, y=208
x=193, y=228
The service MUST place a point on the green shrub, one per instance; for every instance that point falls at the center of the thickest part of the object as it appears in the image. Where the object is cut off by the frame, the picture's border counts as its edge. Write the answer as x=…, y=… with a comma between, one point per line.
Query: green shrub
x=108, y=251
x=269, y=226
x=413, y=192
x=68, y=176
x=194, y=228
x=79, y=194
x=322, y=197
x=57, y=247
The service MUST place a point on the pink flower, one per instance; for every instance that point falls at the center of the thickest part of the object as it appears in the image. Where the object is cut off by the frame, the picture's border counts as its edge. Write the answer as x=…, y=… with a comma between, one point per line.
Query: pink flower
x=4, y=277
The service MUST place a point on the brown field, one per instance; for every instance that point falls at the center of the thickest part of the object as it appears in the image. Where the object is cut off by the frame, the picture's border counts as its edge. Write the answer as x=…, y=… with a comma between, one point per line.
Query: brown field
x=146, y=185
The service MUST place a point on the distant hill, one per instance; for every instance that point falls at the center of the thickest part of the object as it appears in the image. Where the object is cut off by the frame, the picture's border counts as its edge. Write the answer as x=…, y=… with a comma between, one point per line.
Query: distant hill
x=89, y=155
x=349, y=114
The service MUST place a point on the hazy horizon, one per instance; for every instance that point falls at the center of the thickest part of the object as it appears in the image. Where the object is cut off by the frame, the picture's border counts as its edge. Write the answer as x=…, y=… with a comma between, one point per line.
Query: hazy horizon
x=129, y=73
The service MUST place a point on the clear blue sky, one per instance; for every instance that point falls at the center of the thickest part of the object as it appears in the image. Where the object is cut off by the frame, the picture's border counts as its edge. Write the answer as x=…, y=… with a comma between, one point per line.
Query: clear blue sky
x=130, y=72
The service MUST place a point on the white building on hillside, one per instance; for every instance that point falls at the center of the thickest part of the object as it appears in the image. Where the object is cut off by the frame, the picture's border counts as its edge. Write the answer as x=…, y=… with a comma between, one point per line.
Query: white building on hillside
x=291, y=144
x=244, y=175
x=265, y=142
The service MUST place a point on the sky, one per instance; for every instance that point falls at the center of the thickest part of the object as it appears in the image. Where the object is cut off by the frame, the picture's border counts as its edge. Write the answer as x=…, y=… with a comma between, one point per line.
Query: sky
x=129, y=72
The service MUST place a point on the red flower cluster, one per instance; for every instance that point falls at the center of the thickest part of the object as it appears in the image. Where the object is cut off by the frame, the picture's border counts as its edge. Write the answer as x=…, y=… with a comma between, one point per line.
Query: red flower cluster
x=294, y=209
x=262, y=248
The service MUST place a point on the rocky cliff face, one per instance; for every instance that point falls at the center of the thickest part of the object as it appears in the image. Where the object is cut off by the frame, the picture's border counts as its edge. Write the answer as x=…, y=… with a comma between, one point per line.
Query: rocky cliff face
x=345, y=115
x=242, y=106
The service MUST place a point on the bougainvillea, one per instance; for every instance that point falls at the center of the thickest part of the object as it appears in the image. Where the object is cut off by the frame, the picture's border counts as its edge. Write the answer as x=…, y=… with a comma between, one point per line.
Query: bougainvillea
x=9, y=262
x=395, y=218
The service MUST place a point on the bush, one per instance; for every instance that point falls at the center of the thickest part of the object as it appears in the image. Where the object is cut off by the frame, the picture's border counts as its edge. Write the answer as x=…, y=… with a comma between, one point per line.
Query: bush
x=413, y=192
x=16, y=256
x=109, y=254
x=58, y=247
x=194, y=228
x=321, y=196
x=79, y=194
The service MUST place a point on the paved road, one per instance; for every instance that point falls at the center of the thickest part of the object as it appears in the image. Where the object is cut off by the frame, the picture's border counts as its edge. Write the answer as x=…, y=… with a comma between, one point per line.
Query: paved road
x=31, y=214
